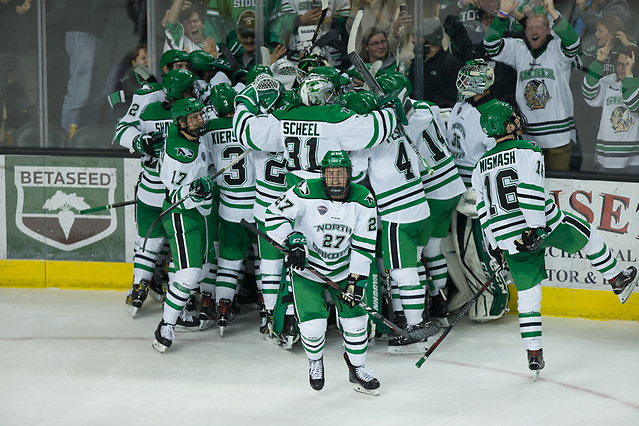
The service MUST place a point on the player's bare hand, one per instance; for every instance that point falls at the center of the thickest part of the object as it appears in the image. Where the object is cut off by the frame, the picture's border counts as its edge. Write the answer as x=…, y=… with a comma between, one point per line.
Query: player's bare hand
x=311, y=17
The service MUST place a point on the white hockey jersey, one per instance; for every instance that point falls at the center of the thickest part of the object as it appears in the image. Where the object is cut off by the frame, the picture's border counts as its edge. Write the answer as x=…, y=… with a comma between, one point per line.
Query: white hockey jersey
x=618, y=145
x=237, y=184
x=465, y=138
x=543, y=90
x=426, y=129
x=341, y=235
x=509, y=181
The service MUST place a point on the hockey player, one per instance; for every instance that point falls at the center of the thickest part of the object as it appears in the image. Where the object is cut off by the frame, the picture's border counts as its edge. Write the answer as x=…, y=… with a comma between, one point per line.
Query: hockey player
x=144, y=129
x=185, y=163
x=543, y=65
x=329, y=224
x=237, y=195
x=520, y=219
x=393, y=172
x=468, y=143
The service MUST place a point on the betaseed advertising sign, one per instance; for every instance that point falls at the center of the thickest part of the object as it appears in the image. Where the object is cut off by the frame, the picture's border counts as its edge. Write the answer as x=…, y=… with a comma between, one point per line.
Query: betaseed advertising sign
x=43, y=203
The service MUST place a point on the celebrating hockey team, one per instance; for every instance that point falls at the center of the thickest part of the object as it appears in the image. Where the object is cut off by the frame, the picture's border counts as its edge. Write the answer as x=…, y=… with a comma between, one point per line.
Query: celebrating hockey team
x=310, y=186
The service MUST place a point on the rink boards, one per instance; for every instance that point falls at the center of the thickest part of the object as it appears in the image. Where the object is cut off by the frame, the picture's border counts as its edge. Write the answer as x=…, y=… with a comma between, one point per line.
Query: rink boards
x=45, y=242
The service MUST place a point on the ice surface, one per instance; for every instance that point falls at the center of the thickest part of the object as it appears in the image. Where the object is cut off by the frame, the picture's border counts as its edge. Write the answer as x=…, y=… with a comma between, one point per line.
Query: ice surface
x=77, y=358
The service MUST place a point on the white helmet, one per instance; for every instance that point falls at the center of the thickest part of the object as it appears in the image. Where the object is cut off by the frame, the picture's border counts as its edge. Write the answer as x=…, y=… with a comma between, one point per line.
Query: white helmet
x=316, y=90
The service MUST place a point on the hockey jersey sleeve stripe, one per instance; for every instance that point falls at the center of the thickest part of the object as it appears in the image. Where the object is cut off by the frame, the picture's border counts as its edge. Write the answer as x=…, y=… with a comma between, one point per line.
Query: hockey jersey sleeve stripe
x=493, y=40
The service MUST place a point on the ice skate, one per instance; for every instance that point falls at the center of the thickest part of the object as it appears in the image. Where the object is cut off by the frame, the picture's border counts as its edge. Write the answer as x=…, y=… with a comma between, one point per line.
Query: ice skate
x=191, y=306
x=536, y=362
x=438, y=309
x=362, y=379
x=164, y=337
x=316, y=373
x=159, y=285
x=187, y=322
x=263, y=312
x=289, y=334
x=138, y=296
x=400, y=319
x=208, y=313
x=225, y=314
x=404, y=345
x=624, y=283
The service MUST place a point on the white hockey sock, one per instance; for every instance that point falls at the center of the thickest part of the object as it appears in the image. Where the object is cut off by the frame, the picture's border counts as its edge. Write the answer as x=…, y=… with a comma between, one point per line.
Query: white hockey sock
x=313, y=337
x=355, y=338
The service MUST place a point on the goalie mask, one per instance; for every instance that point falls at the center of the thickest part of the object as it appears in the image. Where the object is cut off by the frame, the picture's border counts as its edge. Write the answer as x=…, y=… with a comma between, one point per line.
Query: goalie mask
x=285, y=71
x=316, y=90
x=188, y=116
x=336, y=175
x=269, y=91
x=474, y=78
x=255, y=71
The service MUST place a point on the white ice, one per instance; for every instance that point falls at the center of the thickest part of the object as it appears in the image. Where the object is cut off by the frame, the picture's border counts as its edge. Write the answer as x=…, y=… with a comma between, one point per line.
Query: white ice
x=77, y=358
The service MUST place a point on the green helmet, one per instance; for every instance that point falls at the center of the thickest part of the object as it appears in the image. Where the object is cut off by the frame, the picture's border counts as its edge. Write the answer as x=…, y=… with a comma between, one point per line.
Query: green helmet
x=184, y=107
x=222, y=97
x=172, y=56
x=390, y=82
x=336, y=159
x=474, y=78
x=362, y=101
x=257, y=70
x=332, y=74
x=201, y=60
x=493, y=121
x=316, y=90
x=289, y=99
x=176, y=82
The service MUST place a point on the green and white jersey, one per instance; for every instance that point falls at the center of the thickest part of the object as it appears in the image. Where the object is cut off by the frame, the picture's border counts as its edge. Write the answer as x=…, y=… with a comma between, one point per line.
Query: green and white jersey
x=509, y=181
x=305, y=134
x=543, y=89
x=156, y=117
x=426, y=129
x=138, y=121
x=341, y=235
x=237, y=184
x=393, y=173
x=464, y=135
x=182, y=162
x=270, y=180
x=619, y=125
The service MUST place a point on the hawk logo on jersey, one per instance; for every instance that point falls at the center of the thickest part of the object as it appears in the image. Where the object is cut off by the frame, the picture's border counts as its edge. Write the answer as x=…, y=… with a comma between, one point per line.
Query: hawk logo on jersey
x=370, y=200
x=184, y=152
x=621, y=119
x=322, y=210
x=536, y=94
x=303, y=188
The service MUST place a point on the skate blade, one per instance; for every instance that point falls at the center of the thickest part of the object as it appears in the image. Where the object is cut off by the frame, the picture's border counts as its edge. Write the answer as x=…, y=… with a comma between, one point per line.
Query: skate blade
x=443, y=322
x=194, y=327
x=272, y=339
x=133, y=311
x=221, y=327
x=536, y=375
x=155, y=296
x=206, y=324
x=412, y=349
x=289, y=342
x=361, y=389
x=159, y=347
x=625, y=294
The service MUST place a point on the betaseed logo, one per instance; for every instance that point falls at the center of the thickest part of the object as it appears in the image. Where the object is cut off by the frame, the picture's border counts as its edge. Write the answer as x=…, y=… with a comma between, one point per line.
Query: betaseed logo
x=49, y=199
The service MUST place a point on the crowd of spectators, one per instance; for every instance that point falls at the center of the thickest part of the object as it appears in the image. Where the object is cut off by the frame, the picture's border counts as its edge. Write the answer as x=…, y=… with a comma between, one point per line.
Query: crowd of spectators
x=84, y=91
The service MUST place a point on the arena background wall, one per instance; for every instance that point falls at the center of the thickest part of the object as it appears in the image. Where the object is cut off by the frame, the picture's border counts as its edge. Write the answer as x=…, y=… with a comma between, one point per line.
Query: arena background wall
x=45, y=242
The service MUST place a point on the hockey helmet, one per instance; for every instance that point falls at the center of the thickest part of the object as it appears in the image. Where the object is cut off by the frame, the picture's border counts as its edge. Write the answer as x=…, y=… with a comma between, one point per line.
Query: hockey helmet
x=255, y=71
x=362, y=101
x=176, y=83
x=172, y=56
x=316, y=90
x=493, y=121
x=222, y=99
x=190, y=111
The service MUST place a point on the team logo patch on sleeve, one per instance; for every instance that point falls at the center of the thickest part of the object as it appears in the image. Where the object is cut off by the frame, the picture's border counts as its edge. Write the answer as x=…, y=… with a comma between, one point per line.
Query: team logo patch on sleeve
x=322, y=210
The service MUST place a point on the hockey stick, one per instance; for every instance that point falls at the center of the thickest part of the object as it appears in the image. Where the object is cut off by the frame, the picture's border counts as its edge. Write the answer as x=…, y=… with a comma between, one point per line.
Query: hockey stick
x=191, y=192
x=107, y=207
x=320, y=22
x=463, y=312
x=414, y=334
x=369, y=79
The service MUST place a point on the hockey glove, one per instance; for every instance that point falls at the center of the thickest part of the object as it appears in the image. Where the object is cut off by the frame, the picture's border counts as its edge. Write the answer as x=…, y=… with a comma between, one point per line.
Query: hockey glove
x=400, y=101
x=248, y=97
x=531, y=239
x=354, y=290
x=149, y=144
x=203, y=187
x=467, y=204
x=497, y=254
x=296, y=246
